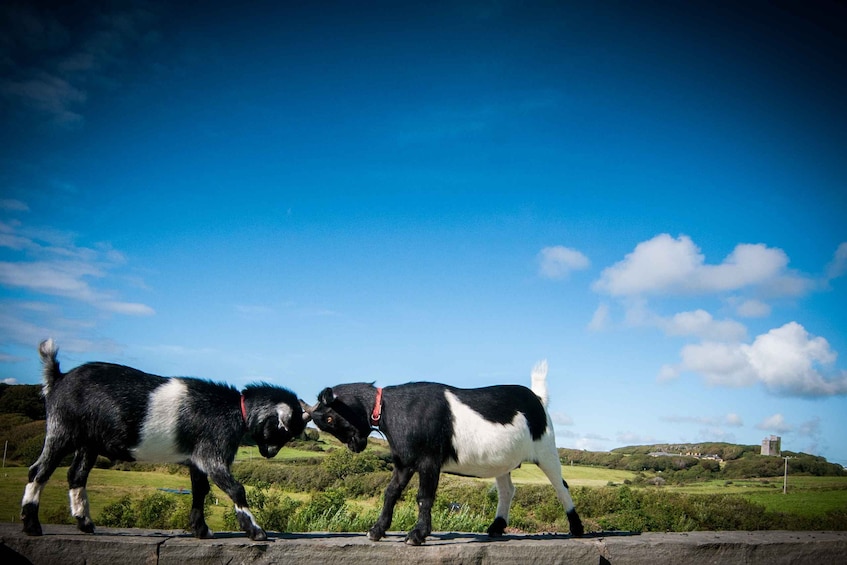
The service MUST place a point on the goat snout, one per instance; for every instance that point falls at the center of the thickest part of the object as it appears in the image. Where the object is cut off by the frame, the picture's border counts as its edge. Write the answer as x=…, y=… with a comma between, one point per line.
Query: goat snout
x=357, y=444
x=269, y=451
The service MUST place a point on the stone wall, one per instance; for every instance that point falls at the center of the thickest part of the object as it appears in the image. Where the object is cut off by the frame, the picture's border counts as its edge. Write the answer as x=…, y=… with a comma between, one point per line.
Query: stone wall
x=64, y=545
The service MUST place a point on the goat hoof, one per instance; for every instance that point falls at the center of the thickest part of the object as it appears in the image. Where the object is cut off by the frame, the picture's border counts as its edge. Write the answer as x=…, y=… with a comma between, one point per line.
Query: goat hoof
x=414, y=538
x=575, y=523
x=258, y=535
x=204, y=533
x=84, y=525
x=497, y=528
x=33, y=530
x=375, y=534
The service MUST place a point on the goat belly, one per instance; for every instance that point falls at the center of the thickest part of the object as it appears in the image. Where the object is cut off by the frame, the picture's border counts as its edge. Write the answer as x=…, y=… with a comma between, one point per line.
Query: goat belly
x=159, y=431
x=484, y=448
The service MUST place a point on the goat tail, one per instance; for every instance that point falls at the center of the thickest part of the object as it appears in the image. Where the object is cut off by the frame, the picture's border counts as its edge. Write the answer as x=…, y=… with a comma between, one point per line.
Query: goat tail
x=539, y=381
x=48, y=350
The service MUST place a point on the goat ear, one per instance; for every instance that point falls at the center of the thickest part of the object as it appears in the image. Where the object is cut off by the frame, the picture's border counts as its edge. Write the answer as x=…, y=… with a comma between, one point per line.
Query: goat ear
x=326, y=396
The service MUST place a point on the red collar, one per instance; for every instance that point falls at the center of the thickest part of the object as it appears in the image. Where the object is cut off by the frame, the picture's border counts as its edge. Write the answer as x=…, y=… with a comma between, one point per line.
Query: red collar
x=243, y=410
x=377, y=411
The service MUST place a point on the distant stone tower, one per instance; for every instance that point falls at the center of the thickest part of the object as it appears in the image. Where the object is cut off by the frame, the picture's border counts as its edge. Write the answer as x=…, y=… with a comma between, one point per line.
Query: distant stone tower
x=772, y=446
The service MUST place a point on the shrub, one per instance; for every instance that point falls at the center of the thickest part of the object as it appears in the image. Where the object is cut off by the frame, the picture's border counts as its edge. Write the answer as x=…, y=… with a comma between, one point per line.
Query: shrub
x=158, y=510
x=154, y=511
x=119, y=514
x=341, y=463
x=293, y=477
x=323, y=504
x=366, y=485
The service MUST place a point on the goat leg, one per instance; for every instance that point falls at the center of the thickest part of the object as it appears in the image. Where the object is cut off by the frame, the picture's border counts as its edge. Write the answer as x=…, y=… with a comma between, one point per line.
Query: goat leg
x=235, y=490
x=199, y=489
x=429, y=475
x=399, y=479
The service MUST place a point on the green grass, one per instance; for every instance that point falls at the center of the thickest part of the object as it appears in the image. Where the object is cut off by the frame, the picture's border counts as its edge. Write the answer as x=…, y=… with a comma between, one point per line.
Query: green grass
x=574, y=475
x=806, y=496
x=245, y=453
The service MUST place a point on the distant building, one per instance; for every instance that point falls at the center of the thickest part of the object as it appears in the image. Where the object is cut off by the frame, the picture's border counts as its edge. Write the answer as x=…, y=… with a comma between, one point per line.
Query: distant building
x=772, y=446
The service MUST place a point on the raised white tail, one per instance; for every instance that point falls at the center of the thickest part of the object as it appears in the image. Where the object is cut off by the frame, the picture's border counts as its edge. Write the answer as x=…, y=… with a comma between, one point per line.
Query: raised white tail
x=539, y=381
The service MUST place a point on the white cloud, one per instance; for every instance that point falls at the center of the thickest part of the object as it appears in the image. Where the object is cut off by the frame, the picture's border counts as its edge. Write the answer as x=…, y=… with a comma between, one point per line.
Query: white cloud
x=591, y=442
x=733, y=419
x=786, y=360
x=10, y=381
x=696, y=323
x=600, y=319
x=13, y=205
x=838, y=266
x=700, y=323
x=676, y=266
x=775, y=424
x=810, y=428
x=753, y=309
x=48, y=262
x=727, y=420
x=70, y=334
x=633, y=438
x=667, y=373
x=558, y=262
x=127, y=308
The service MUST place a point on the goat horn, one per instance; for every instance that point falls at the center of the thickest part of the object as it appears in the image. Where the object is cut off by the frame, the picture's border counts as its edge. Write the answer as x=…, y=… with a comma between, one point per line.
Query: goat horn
x=307, y=410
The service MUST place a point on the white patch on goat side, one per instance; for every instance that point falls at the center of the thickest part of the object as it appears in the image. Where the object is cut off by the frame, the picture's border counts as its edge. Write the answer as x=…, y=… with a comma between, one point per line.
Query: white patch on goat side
x=79, y=503
x=32, y=493
x=483, y=448
x=158, y=433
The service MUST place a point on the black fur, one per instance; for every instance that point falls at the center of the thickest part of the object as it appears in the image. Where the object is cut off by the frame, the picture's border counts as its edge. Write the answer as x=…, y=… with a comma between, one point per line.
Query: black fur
x=100, y=409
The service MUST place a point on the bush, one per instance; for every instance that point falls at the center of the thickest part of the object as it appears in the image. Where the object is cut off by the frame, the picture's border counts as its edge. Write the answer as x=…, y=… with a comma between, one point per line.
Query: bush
x=154, y=511
x=367, y=485
x=294, y=477
x=119, y=514
x=341, y=463
x=158, y=511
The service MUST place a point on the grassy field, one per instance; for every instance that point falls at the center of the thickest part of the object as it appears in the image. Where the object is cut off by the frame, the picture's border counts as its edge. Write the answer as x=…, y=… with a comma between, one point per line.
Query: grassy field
x=808, y=496
x=574, y=475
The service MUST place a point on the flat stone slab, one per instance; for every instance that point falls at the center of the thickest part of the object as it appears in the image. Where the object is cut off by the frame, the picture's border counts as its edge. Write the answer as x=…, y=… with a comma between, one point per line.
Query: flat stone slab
x=66, y=545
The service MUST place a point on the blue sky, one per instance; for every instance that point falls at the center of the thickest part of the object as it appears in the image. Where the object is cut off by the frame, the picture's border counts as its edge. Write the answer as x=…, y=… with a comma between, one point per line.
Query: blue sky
x=650, y=195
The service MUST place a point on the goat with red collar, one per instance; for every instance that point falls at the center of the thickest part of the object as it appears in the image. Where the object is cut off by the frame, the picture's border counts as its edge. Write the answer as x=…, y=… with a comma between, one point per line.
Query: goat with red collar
x=430, y=428
x=127, y=415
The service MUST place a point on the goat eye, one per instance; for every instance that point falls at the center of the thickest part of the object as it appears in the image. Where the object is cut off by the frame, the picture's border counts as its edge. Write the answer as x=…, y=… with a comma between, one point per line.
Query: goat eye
x=329, y=419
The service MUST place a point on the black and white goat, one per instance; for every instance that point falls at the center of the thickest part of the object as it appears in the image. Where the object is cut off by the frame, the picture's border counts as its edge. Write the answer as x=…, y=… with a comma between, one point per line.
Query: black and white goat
x=430, y=428
x=124, y=414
